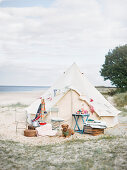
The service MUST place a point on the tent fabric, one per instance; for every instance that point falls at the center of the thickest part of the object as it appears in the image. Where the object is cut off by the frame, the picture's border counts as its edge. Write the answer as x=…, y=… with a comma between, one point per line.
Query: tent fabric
x=74, y=80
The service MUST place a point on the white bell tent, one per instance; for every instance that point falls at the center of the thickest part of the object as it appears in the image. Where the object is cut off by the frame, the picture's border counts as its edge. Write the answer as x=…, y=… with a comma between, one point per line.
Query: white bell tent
x=71, y=92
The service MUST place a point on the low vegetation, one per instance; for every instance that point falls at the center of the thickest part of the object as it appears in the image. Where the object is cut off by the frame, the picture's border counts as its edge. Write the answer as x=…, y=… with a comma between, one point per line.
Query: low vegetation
x=102, y=153
x=108, y=91
x=123, y=112
x=16, y=105
x=121, y=99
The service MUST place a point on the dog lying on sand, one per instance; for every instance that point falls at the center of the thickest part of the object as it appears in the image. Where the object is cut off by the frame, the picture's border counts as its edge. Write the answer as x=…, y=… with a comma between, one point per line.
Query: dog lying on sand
x=66, y=131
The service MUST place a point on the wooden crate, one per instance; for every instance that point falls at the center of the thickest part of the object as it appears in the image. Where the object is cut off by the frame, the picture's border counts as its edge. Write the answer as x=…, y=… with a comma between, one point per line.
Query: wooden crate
x=92, y=131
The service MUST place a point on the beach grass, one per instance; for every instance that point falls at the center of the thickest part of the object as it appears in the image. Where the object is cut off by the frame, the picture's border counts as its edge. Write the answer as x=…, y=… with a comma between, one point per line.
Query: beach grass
x=121, y=99
x=123, y=112
x=16, y=105
x=99, y=153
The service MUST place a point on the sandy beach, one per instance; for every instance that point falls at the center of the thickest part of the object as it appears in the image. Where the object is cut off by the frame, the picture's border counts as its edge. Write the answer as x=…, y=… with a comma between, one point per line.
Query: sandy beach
x=12, y=109
x=79, y=151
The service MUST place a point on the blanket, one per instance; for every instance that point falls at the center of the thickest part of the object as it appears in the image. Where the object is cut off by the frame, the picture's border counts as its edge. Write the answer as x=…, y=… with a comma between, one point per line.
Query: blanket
x=46, y=130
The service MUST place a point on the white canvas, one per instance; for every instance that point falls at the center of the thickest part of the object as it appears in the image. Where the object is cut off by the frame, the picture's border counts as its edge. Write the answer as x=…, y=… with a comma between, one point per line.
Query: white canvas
x=73, y=82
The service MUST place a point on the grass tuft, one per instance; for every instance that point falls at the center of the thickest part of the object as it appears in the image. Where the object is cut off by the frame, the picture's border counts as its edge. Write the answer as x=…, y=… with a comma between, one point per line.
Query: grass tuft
x=104, y=153
x=121, y=99
x=18, y=105
x=15, y=105
x=123, y=112
x=107, y=137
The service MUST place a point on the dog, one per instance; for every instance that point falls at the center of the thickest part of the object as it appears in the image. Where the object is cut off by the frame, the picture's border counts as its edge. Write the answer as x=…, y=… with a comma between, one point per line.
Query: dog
x=66, y=131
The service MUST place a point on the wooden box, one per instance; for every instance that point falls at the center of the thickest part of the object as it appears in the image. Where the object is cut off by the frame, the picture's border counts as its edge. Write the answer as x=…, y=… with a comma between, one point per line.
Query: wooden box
x=92, y=131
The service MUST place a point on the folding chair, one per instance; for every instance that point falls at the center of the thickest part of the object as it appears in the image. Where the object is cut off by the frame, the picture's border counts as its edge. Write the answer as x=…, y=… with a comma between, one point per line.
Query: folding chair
x=24, y=123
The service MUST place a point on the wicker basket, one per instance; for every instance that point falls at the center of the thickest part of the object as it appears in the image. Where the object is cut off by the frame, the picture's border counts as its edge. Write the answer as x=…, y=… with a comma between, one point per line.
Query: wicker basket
x=31, y=127
x=30, y=133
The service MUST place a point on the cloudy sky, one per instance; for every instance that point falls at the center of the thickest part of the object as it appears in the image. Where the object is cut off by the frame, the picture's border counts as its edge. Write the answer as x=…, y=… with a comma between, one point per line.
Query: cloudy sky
x=39, y=39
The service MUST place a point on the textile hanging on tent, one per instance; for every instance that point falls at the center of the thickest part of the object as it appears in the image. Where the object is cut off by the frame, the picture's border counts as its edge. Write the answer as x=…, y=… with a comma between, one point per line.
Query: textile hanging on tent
x=41, y=111
x=42, y=108
x=36, y=117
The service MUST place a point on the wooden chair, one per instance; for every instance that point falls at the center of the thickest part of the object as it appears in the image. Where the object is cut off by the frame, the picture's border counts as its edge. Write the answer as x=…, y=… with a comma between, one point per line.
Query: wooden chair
x=20, y=124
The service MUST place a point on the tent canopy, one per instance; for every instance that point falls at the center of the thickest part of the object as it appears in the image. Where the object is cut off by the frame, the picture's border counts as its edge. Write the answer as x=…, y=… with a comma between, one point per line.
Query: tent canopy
x=73, y=79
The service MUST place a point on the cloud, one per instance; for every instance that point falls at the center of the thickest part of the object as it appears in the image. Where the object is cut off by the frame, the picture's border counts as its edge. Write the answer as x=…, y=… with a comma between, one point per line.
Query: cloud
x=53, y=38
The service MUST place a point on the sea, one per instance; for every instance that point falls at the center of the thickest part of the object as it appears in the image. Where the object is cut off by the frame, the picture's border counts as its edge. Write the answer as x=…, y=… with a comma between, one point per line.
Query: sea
x=22, y=88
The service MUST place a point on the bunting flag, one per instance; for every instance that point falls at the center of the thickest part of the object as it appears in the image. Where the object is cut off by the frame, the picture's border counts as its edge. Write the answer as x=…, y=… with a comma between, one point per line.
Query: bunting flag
x=91, y=100
x=49, y=98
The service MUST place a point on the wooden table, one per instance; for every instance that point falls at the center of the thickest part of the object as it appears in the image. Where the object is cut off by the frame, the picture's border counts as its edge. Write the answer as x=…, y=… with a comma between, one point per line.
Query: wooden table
x=76, y=117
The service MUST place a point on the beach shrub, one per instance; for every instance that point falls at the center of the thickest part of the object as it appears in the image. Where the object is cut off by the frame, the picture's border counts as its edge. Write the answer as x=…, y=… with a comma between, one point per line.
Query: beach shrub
x=123, y=112
x=121, y=99
x=18, y=105
x=112, y=92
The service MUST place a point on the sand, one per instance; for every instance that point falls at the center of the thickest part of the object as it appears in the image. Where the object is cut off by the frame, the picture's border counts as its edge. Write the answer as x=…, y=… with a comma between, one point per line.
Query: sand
x=12, y=110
